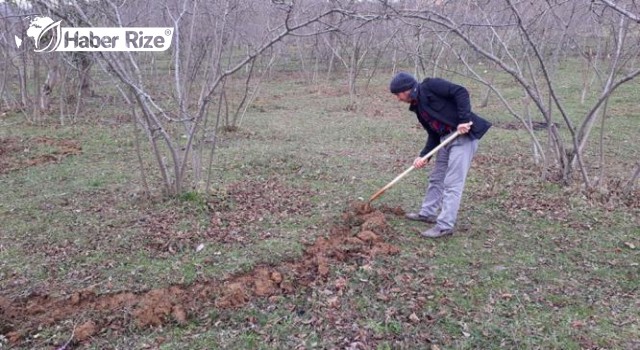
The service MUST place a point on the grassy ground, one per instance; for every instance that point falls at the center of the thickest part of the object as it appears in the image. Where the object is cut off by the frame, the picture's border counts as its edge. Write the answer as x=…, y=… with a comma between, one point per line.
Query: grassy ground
x=534, y=265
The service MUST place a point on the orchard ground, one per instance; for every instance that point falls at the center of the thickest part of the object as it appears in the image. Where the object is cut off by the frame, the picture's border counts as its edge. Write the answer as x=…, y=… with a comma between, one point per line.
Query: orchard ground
x=280, y=252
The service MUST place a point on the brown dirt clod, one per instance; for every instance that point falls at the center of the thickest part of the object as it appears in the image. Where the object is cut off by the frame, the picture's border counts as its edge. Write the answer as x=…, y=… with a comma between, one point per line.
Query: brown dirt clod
x=233, y=295
x=179, y=314
x=360, y=207
x=85, y=331
x=368, y=236
x=375, y=222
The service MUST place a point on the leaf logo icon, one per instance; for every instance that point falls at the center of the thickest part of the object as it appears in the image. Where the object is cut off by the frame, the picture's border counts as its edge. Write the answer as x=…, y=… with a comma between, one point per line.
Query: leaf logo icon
x=54, y=42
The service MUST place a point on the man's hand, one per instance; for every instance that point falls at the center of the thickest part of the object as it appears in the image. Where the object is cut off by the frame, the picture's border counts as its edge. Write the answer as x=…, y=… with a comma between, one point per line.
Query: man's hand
x=464, y=128
x=419, y=163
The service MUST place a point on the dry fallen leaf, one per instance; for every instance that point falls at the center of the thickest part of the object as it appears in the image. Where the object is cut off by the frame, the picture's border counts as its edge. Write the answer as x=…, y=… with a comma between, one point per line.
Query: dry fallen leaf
x=340, y=283
x=577, y=324
x=414, y=318
x=333, y=302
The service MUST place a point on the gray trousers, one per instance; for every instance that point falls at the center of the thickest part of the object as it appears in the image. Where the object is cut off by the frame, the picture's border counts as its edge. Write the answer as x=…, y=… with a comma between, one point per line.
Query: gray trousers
x=445, y=185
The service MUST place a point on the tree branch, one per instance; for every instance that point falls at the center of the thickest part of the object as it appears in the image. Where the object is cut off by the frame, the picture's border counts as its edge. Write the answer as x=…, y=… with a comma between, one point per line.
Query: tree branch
x=632, y=16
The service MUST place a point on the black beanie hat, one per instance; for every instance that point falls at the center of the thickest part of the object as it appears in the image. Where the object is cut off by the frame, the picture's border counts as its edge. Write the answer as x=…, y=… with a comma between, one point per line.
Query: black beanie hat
x=402, y=82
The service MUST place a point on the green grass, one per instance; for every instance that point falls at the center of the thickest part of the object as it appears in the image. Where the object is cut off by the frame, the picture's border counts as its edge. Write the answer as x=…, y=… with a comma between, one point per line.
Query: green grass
x=536, y=266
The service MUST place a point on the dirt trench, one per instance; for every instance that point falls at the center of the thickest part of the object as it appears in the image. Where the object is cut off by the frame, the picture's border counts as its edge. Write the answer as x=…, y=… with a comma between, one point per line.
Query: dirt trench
x=359, y=234
x=16, y=154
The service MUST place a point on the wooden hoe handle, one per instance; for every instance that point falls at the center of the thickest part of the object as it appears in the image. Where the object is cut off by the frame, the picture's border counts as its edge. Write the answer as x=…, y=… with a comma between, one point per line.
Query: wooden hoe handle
x=428, y=155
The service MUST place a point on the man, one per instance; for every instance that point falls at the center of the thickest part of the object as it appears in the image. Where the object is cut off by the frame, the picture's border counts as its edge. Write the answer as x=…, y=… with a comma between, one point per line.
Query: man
x=442, y=108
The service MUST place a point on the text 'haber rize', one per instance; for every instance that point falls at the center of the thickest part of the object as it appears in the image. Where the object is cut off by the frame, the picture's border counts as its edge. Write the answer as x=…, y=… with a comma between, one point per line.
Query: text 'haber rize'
x=132, y=39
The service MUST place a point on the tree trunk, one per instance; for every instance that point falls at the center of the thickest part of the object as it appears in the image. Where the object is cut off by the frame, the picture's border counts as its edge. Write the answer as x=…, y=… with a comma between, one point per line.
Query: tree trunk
x=46, y=92
x=22, y=76
x=631, y=184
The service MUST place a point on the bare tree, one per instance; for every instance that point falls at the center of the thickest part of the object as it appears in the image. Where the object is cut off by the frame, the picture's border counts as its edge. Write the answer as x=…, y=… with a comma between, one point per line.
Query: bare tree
x=202, y=62
x=353, y=42
x=9, y=18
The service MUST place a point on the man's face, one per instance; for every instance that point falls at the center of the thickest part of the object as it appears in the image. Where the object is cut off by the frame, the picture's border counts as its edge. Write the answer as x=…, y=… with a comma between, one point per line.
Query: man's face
x=404, y=96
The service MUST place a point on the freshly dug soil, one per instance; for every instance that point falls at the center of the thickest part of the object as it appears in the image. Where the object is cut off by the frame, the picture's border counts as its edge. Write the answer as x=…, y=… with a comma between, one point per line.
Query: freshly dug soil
x=360, y=233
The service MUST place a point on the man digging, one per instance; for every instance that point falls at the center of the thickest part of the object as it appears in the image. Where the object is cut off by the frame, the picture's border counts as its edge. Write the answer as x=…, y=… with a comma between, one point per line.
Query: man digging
x=442, y=108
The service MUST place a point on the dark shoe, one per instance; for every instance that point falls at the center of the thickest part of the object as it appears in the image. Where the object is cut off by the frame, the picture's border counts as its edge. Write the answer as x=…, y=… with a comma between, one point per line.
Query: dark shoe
x=436, y=232
x=418, y=217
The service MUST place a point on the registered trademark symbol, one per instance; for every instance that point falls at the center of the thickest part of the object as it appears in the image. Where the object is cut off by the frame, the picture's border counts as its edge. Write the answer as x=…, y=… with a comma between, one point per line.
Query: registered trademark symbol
x=167, y=32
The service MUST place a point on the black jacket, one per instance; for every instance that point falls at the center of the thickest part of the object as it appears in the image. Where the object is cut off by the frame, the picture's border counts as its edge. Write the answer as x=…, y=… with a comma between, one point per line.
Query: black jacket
x=449, y=104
